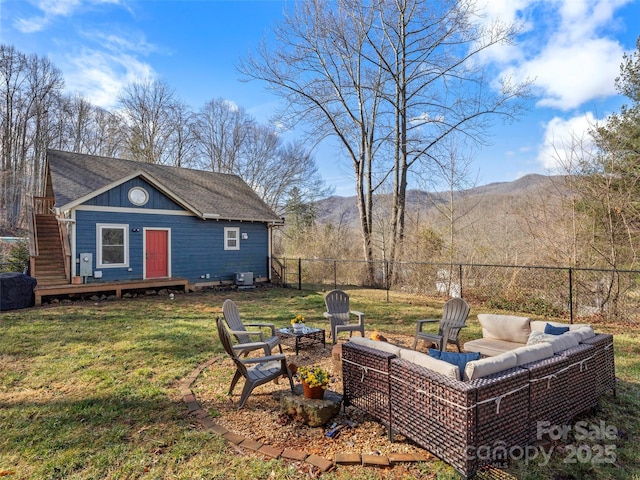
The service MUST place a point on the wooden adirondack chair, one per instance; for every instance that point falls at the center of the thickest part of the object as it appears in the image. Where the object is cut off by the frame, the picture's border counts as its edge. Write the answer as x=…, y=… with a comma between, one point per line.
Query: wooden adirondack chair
x=454, y=317
x=244, y=337
x=339, y=315
x=255, y=370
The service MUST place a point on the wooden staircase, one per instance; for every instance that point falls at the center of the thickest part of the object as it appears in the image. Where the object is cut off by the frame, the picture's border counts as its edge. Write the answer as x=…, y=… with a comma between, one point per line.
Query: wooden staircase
x=49, y=267
x=277, y=272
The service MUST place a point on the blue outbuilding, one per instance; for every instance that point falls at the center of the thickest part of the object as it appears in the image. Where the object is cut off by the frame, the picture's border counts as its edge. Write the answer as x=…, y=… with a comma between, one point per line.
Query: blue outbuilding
x=119, y=220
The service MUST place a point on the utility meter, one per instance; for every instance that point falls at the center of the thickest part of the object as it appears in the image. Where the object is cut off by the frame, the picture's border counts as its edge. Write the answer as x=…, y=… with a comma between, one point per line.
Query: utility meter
x=86, y=264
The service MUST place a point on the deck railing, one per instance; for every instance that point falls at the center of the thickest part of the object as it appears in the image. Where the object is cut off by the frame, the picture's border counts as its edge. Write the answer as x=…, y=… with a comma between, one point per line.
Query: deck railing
x=43, y=205
x=66, y=250
x=33, y=238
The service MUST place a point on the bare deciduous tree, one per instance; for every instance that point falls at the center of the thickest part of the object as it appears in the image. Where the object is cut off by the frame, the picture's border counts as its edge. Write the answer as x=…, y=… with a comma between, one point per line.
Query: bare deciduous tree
x=220, y=130
x=148, y=112
x=28, y=88
x=272, y=168
x=320, y=68
x=389, y=79
x=183, y=147
x=231, y=141
x=84, y=128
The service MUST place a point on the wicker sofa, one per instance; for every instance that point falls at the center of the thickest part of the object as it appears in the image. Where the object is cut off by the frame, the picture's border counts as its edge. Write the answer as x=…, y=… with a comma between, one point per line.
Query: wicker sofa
x=502, y=333
x=473, y=422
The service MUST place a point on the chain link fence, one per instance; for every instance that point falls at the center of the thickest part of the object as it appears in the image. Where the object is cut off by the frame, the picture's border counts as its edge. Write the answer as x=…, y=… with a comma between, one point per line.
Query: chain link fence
x=576, y=294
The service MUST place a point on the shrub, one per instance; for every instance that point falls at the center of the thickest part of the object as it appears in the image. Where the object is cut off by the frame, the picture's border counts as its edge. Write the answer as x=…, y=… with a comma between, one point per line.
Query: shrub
x=17, y=259
x=533, y=305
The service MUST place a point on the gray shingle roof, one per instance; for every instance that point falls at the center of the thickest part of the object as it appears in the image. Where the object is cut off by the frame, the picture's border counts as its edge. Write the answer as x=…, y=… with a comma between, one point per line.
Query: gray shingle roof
x=75, y=177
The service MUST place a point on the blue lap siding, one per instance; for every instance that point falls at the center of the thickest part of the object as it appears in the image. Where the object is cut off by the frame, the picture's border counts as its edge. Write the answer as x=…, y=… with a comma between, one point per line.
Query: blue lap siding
x=197, y=245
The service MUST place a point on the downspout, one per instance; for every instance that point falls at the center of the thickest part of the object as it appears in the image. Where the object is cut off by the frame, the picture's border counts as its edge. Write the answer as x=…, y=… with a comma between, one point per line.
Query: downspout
x=73, y=241
x=270, y=252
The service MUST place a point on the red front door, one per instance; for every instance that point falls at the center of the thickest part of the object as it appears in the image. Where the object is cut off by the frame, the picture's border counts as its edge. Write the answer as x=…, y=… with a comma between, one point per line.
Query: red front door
x=157, y=253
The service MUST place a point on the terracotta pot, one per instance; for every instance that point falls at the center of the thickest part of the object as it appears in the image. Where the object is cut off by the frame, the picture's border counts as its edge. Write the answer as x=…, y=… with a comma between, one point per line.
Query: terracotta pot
x=316, y=393
x=76, y=280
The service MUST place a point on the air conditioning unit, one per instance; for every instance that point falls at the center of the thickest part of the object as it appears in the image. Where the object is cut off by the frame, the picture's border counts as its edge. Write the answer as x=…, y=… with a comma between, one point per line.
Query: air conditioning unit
x=244, y=279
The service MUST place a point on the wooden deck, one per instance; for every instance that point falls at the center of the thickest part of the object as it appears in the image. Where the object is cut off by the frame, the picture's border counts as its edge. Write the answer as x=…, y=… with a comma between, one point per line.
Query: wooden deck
x=108, y=287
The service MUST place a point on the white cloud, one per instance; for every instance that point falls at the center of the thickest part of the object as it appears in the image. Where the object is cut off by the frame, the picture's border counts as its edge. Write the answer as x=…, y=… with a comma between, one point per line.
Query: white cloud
x=122, y=41
x=566, y=141
x=500, y=13
x=231, y=105
x=105, y=61
x=567, y=76
x=30, y=25
x=58, y=7
x=50, y=10
x=99, y=76
x=563, y=48
x=65, y=8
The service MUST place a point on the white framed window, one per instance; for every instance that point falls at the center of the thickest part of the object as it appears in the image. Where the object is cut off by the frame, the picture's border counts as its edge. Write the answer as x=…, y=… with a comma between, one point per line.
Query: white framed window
x=232, y=238
x=112, y=245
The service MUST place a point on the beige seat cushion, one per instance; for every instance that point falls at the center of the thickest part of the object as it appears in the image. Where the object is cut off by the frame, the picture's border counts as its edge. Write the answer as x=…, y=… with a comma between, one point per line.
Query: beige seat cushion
x=490, y=347
x=384, y=346
x=505, y=327
x=490, y=365
x=439, y=366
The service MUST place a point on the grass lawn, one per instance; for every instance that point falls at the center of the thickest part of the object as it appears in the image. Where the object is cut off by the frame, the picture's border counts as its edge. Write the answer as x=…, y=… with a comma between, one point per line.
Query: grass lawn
x=89, y=390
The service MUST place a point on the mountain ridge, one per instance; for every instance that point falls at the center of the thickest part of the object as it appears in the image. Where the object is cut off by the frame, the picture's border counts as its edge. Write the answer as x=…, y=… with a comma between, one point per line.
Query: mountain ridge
x=339, y=209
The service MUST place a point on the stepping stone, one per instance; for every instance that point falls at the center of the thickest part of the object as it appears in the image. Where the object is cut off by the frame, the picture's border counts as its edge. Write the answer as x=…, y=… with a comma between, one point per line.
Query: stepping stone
x=200, y=413
x=270, y=451
x=207, y=422
x=421, y=457
x=217, y=428
x=348, y=459
x=251, y=444
x=233, y=438
x=291, y=454
x=322, y=463
x=375, y=461
x=401, y=457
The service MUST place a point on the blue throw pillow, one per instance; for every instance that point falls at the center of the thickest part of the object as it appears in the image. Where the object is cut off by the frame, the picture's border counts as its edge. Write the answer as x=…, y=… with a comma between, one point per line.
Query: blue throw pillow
x=459, y=359
x=550, y=329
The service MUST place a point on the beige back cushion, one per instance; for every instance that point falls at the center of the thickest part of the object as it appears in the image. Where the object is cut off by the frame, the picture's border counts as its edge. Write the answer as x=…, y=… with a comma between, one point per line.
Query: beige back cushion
x=564, y=341
x=539, y=325
x=533, y=353
x=585, y=332
x=505, y=327
x=489, y=365
x=367, y=342
x=439, y=366
x=536, y=336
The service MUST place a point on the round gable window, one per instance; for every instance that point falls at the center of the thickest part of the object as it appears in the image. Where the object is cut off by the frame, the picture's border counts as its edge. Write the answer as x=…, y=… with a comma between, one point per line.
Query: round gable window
x=138, y=196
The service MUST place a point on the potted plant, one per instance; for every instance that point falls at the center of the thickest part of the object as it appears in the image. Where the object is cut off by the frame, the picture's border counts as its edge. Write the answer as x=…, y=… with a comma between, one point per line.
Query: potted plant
x=297, y=323
x=314, y=381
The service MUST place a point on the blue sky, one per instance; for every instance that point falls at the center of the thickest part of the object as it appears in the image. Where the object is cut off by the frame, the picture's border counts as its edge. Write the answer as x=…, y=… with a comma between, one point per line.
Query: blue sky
x=572, y=48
